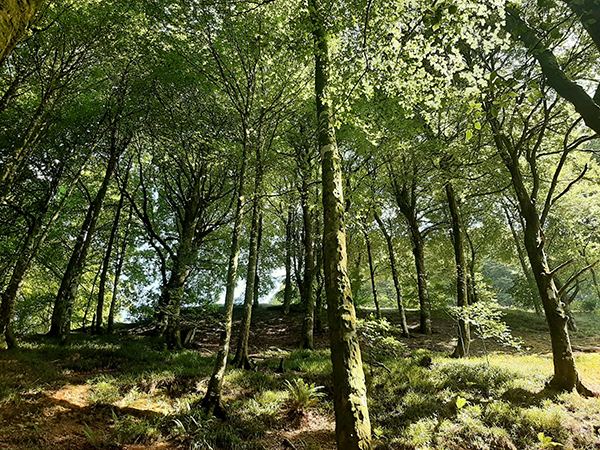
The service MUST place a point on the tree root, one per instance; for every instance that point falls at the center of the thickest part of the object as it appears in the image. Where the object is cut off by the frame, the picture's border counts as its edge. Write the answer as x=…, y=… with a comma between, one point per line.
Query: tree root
x=584, y=391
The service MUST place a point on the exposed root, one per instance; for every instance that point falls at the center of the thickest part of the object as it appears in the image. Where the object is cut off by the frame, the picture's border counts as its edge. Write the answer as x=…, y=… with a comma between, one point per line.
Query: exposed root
x=584, y=391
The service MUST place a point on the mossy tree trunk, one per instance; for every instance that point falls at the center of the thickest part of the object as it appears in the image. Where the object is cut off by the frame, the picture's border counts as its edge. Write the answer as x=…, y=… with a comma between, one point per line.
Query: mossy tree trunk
x=16, y=17
x=353, y=428
x=212, y=400
x=67, y=293
x=566, y=376
x=241, y=359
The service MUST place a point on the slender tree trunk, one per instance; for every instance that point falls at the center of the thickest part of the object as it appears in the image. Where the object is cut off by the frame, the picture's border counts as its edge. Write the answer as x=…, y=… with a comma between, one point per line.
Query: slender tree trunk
x=407, y=207
x=105, y=267
x=89, y=304
x=372, y=274
x=353, y=428
x=9, y=296
x=425, y=305
x=395, y=277
x=306, y=337
x=118, y=268
x=464, y=333
x=255, y=302
x=65, y=299
x=212, y=400
x=241, y=359
x=287, y=293
x=535, y=297
x=27, y=255
x=471, y=280
x=319, y=287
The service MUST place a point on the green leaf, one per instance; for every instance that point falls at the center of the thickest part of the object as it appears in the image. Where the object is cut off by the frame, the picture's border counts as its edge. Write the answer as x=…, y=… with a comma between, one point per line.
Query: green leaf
x=460, y=402
x=469, y=135
x=477, y=125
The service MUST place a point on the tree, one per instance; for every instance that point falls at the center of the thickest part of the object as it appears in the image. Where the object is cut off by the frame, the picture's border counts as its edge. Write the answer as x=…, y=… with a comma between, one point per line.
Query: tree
x=525, y=143
x=353, y=427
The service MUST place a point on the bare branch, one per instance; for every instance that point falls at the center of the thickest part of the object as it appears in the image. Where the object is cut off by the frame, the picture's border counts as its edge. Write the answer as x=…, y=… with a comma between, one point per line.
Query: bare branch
x=574, y=278
x=562, y=266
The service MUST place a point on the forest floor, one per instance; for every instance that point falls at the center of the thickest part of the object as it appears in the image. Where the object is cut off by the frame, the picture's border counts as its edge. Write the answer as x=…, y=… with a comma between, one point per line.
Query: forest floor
x=125, y=391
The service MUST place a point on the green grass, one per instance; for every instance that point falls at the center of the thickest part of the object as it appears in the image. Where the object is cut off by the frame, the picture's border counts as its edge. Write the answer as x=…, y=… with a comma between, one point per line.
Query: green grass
x=481, y=403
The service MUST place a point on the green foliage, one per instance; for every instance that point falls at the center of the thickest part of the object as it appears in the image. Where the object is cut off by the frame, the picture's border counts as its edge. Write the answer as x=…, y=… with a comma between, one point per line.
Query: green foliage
x=302, y=395
x=486, y=320
x=133, y=430
x=377, y=334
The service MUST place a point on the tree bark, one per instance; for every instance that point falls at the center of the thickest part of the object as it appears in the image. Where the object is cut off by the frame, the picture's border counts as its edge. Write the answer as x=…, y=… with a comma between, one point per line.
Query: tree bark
x=464, y=333
x=241, y=359
x=566, y=377
x=535, y=297
x=306, y=336
x=118, y=267
x=212, y=400
x=287, y=293
x=256, y=294
x=16, y=17
x=372, y=274
x=395, y=277
x=105, y=266
x=353, y=428
x=65, y=299
x=406, y=204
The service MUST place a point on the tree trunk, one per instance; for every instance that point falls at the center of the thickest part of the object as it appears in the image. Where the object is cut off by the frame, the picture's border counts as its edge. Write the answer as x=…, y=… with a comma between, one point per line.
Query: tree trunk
x=105, y=266
x=15, y=18
x=566, y=377
x=372, y=275
x=319, y=288
x=9, y=296
x=406, y=204
x=256, y=294
x=287, y=293
x=464, y=333
x=212, y=400
x=535, y=298
x=395, y=277
x=306, y=337
x=353, y=428
x=119, y=266
x=65, y=299
x=241, y=359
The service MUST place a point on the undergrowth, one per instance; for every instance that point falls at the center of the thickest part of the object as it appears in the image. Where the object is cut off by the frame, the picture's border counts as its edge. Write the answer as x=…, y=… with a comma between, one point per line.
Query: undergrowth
x=472, y=404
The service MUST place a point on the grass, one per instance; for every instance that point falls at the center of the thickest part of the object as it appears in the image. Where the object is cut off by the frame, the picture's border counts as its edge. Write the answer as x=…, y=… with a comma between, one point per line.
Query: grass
x=143, y=394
